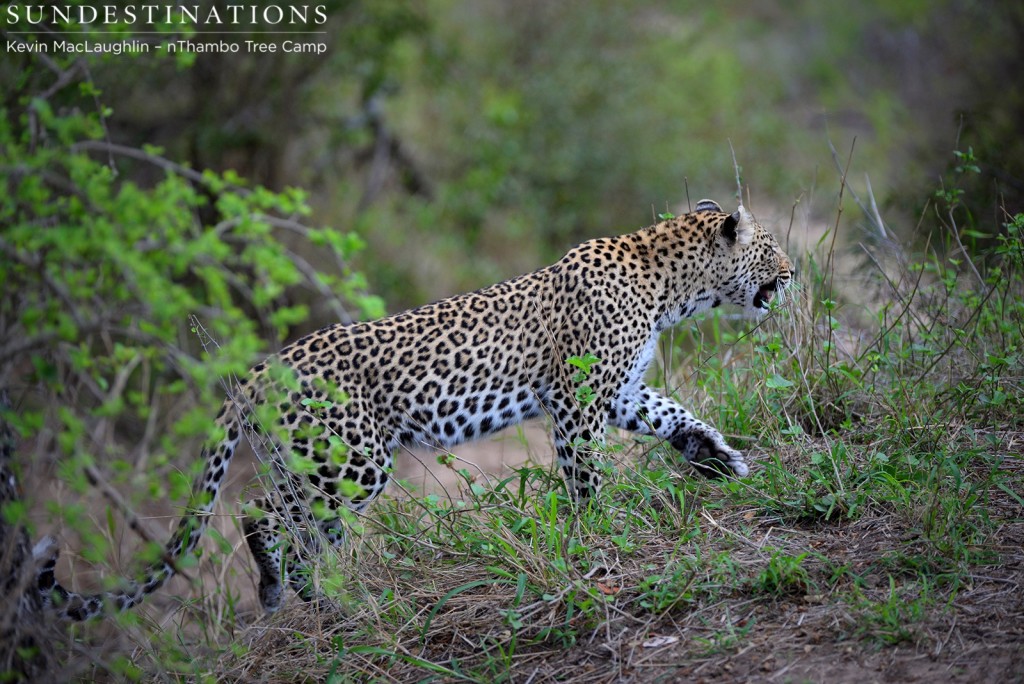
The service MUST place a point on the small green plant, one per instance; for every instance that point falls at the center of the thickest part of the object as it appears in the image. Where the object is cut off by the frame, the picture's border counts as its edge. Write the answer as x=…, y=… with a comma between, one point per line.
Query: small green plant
x=673, y=587
x=784, y=575
x=583, y=364
x=893, y=619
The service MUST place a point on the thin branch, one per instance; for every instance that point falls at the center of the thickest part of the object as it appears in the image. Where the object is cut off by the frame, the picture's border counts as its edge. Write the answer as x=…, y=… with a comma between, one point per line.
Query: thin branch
x=141, y=155
x=736, y=167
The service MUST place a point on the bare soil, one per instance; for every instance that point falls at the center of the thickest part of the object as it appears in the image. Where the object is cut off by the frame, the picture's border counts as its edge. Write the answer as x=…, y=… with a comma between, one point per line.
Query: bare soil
x=487, y=458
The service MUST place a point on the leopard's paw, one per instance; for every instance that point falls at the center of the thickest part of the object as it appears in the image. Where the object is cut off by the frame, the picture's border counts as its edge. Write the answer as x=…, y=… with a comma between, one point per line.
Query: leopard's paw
x=718, y=461
x=711, y=456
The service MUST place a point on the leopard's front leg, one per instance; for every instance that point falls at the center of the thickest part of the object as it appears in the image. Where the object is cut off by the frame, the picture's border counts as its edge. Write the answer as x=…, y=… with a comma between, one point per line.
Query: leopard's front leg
x=645, y=412
x=578, y=436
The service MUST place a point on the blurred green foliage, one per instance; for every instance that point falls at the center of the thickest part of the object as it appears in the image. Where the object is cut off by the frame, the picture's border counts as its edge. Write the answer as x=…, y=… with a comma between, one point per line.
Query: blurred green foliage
x=469, y=141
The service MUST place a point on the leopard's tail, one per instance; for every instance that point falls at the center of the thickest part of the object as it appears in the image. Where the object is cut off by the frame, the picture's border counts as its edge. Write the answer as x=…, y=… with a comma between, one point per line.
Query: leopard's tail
x=76, y=606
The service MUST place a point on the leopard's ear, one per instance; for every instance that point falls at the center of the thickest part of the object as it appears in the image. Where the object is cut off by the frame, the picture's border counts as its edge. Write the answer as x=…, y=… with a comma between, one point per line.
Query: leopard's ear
x=738, y=227
x=707, y=205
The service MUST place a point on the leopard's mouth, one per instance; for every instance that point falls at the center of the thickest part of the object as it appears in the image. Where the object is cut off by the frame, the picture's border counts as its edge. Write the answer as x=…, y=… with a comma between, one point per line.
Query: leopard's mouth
x=764, y=296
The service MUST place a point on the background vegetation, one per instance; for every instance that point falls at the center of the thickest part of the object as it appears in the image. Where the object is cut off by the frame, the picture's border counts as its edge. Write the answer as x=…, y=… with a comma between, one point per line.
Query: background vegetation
x=445, y=130
x=154, y=243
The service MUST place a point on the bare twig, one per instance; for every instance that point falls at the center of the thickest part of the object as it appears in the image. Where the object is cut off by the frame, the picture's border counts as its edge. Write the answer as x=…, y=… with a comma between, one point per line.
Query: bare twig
x=739, y=182
x=135, y=153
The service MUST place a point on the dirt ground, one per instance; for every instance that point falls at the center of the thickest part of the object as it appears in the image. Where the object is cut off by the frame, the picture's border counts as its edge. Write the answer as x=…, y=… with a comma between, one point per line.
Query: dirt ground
x=490, y=457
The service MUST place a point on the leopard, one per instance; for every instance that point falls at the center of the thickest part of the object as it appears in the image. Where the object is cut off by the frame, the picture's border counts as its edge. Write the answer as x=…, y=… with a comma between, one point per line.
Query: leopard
x=338, y=403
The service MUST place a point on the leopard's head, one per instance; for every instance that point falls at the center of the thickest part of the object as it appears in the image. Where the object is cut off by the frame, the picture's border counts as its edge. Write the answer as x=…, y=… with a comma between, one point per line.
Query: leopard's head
x=748, y=268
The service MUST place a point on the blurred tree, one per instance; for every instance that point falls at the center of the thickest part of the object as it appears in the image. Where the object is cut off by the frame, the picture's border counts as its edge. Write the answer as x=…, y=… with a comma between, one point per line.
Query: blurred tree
x=990, y=118
x=268, y=115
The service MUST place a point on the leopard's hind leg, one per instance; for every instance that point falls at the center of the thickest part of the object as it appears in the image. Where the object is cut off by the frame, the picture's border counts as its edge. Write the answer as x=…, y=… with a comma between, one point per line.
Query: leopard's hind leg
x=266, y=519
x=265, y=534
